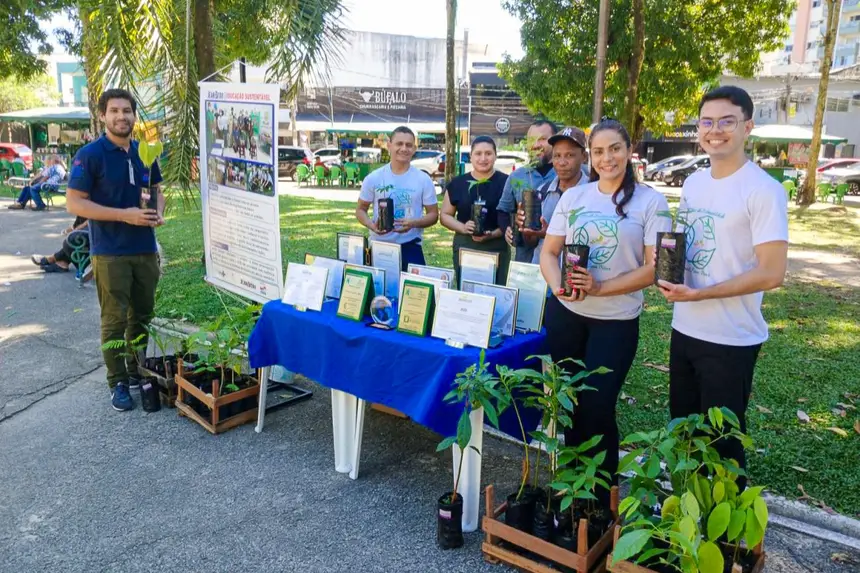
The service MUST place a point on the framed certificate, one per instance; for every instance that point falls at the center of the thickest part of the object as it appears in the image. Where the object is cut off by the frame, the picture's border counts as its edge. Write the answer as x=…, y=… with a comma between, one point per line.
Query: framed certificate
x=305, y=286
x=504, y=315
x=386, y=256
x=446, y=275
x=438, y=285
x=478, y=266
x=464, y=317
x=416, y=308
x=355, y=295
x=335, y=272
x=531, y=303
x=377, y=274
x=351, y=248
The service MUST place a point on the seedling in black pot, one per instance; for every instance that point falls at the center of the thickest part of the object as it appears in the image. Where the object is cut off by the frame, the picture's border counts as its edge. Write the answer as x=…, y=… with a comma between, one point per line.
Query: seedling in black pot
x=479, y=209
x=671, y=249
x=384, y=209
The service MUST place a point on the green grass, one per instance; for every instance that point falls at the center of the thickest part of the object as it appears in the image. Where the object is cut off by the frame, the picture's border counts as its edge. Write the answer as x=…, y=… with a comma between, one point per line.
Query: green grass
x=813, y=353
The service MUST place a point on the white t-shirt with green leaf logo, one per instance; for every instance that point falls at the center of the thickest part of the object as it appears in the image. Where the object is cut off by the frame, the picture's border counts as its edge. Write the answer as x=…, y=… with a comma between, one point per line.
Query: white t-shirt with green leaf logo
x=725, y=219
x=617, y=245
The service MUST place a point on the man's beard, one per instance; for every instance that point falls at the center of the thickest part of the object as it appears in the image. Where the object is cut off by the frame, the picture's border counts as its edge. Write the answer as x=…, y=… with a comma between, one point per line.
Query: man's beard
x=116, y=133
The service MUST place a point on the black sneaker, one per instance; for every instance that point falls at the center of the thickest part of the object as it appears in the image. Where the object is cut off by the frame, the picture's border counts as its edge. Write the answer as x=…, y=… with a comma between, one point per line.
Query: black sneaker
x=133, y=383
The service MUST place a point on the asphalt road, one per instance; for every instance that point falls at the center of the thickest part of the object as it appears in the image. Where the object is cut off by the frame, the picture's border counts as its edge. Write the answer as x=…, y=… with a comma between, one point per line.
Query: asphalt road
x=87, y=489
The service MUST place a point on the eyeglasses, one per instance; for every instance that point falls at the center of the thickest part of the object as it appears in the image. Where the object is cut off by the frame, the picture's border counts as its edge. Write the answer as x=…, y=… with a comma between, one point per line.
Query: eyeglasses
x=726, y=124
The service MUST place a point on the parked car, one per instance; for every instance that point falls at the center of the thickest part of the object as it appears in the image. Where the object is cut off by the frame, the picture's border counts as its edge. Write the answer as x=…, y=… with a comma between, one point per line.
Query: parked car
x=11, y=151
x=849, y=175
x=289, y=157
x=439, y=166
x=509, y=161
x=326, y=154
x=675, y=176
x=652, y=172
x=426, y=154
x=841, y=163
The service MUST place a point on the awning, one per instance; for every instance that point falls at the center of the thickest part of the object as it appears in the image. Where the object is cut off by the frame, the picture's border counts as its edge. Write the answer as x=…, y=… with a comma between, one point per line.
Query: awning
x=790, y=134
x=49, y=115
x=368, y=127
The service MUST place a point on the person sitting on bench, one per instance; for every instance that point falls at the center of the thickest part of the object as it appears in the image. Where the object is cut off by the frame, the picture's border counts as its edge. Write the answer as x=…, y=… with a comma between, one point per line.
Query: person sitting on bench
x=51, y=176
x=77, y=238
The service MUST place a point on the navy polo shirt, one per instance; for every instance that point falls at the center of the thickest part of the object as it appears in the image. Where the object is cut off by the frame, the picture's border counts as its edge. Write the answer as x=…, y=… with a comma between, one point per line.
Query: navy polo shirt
x=113, y=177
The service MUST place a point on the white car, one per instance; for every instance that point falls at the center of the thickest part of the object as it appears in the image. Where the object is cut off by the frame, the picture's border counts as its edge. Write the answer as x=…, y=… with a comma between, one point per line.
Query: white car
x=425, y=160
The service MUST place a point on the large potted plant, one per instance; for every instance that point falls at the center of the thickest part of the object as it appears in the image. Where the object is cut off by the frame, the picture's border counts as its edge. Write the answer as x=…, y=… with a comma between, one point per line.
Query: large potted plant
x=705, y=523
x=477, y=391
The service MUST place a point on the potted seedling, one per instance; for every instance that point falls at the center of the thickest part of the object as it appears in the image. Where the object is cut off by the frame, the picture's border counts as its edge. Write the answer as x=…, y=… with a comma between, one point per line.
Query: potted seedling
x=575, y=255
x=477, y=391
x=149, y=153
x=163, y=366
x=479, y=208
x=671, y=249
x=703, y=518
x=384, y=209
x=531, y=200
x=134, y=349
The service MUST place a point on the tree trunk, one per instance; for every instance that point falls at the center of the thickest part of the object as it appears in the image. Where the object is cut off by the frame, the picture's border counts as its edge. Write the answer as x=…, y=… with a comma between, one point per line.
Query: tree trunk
x=91, y=71
x=631, y=106
x=204, y=43
x=451, y=159
x=807, y=193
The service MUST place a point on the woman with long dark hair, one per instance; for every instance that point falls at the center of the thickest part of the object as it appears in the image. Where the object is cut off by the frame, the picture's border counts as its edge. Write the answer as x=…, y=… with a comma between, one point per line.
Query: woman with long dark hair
x=483, y=186
x=618, y=219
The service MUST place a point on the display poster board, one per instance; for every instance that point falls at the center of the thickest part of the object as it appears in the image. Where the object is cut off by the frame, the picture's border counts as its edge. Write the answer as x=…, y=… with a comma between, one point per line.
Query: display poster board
x=238, y=188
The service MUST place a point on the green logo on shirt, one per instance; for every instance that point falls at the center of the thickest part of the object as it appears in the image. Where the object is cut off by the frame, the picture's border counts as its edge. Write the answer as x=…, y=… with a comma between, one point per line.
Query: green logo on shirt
x=701, y=242
x=601, y=234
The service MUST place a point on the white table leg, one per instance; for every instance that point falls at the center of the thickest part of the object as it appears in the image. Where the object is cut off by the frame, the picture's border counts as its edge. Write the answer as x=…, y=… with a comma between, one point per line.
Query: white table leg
x=356, y=442
x=343, y=429
x=470, y=478
x=261, y=403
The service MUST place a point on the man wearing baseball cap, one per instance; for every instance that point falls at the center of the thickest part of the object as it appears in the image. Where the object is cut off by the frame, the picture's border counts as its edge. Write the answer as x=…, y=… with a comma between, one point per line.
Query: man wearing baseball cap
x=568, y=155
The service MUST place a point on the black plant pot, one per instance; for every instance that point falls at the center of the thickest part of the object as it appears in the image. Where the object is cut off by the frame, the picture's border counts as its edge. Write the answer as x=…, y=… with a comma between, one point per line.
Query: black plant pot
x=520, y=513
x=574, y=256
x=532, y=209
x=449, y=522
x=671, y=257
x=543, y=523
x=479, y=217
x=149, y=395
x=385, y=212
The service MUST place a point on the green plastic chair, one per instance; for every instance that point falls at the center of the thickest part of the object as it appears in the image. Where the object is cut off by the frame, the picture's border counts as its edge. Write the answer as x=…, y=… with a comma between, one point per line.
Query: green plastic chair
x=824, y=189
x=37, y=164
x=335, y=175
x=303, y=174
x=351, y=174
x=321, y=177
x=841, y=192
x=790, y=188
x=19, y=169
x=5, y=169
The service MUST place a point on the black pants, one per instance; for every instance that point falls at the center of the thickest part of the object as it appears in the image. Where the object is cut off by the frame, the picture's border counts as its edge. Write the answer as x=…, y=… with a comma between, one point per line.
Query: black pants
x=703, y=375
x=609, y=343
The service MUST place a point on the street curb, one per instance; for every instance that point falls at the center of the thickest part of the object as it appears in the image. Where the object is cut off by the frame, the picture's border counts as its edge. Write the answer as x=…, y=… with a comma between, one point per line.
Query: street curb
x=797, y=511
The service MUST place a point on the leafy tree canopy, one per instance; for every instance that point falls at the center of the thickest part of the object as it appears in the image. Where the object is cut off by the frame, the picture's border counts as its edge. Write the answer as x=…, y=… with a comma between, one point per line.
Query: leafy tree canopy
x=23, y=37
x=39, y=91
x=688, y=45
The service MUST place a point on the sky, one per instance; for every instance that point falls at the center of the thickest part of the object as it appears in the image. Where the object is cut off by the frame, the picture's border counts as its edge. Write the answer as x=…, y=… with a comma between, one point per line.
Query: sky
x=487, y=21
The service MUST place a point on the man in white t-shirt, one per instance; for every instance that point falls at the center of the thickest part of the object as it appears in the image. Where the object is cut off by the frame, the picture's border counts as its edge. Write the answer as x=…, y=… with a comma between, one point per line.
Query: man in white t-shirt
x=736, y=223
x=415, y=204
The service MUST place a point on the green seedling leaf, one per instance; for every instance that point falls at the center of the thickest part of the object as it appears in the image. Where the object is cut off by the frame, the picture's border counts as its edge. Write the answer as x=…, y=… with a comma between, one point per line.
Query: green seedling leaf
x=760, y=509
x=446, y=443
x=753, y=532
x=710, y=558
x=718, y=521
x=690, y=505
x=719, y=492
x=630, y=544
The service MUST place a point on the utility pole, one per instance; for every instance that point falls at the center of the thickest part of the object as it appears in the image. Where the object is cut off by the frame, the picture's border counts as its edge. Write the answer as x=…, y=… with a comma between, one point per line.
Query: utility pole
x=600, y=76
x=787, y=105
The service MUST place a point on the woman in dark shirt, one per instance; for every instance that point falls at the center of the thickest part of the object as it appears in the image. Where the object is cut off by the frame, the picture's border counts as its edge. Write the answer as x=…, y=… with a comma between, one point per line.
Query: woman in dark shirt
x=464, y=191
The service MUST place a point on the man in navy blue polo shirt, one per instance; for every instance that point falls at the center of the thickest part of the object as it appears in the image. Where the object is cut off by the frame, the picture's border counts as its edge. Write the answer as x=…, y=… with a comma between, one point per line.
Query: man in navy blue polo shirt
x=105, y=186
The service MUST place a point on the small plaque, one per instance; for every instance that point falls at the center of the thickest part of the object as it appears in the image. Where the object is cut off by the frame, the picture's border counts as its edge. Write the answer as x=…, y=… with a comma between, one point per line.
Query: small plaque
x=355, y=295
x=416, y=308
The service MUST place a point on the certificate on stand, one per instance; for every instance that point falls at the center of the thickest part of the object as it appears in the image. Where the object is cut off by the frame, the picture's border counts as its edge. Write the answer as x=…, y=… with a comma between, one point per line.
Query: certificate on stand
x=528, y=279
x=504, y=315
x=438, y=285
x=386, y=256
x=377, y=274
x=446, y=275
x=355, y=295
x=335, y=272
x=351, y=248
x=305, y=286
x=416, y=308
x=464, y=318
x=478, y=266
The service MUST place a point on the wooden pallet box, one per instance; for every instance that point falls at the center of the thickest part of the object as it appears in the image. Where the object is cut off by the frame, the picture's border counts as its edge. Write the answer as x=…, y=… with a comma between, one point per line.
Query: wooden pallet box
x=584, y=560
x=215, y=403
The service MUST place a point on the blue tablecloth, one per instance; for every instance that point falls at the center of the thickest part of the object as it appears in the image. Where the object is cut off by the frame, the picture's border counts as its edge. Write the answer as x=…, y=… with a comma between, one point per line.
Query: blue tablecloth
x=407, y=373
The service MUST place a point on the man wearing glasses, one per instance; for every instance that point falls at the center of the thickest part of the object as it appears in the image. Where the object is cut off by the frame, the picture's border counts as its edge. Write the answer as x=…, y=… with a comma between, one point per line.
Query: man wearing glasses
x=736, y=223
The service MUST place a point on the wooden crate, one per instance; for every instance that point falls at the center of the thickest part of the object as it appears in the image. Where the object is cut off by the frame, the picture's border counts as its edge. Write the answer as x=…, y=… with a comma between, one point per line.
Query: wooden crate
x=214, y=402
x=628, y=567
x=584, y=560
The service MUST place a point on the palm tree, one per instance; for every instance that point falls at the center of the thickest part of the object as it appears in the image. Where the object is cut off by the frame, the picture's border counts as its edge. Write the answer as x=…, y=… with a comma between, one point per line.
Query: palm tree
x=160, y=49
x=807, y=192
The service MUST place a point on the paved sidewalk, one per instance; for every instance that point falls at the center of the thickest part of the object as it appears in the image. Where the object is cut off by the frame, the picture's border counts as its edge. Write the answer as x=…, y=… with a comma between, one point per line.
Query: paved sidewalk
x=90, y=490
